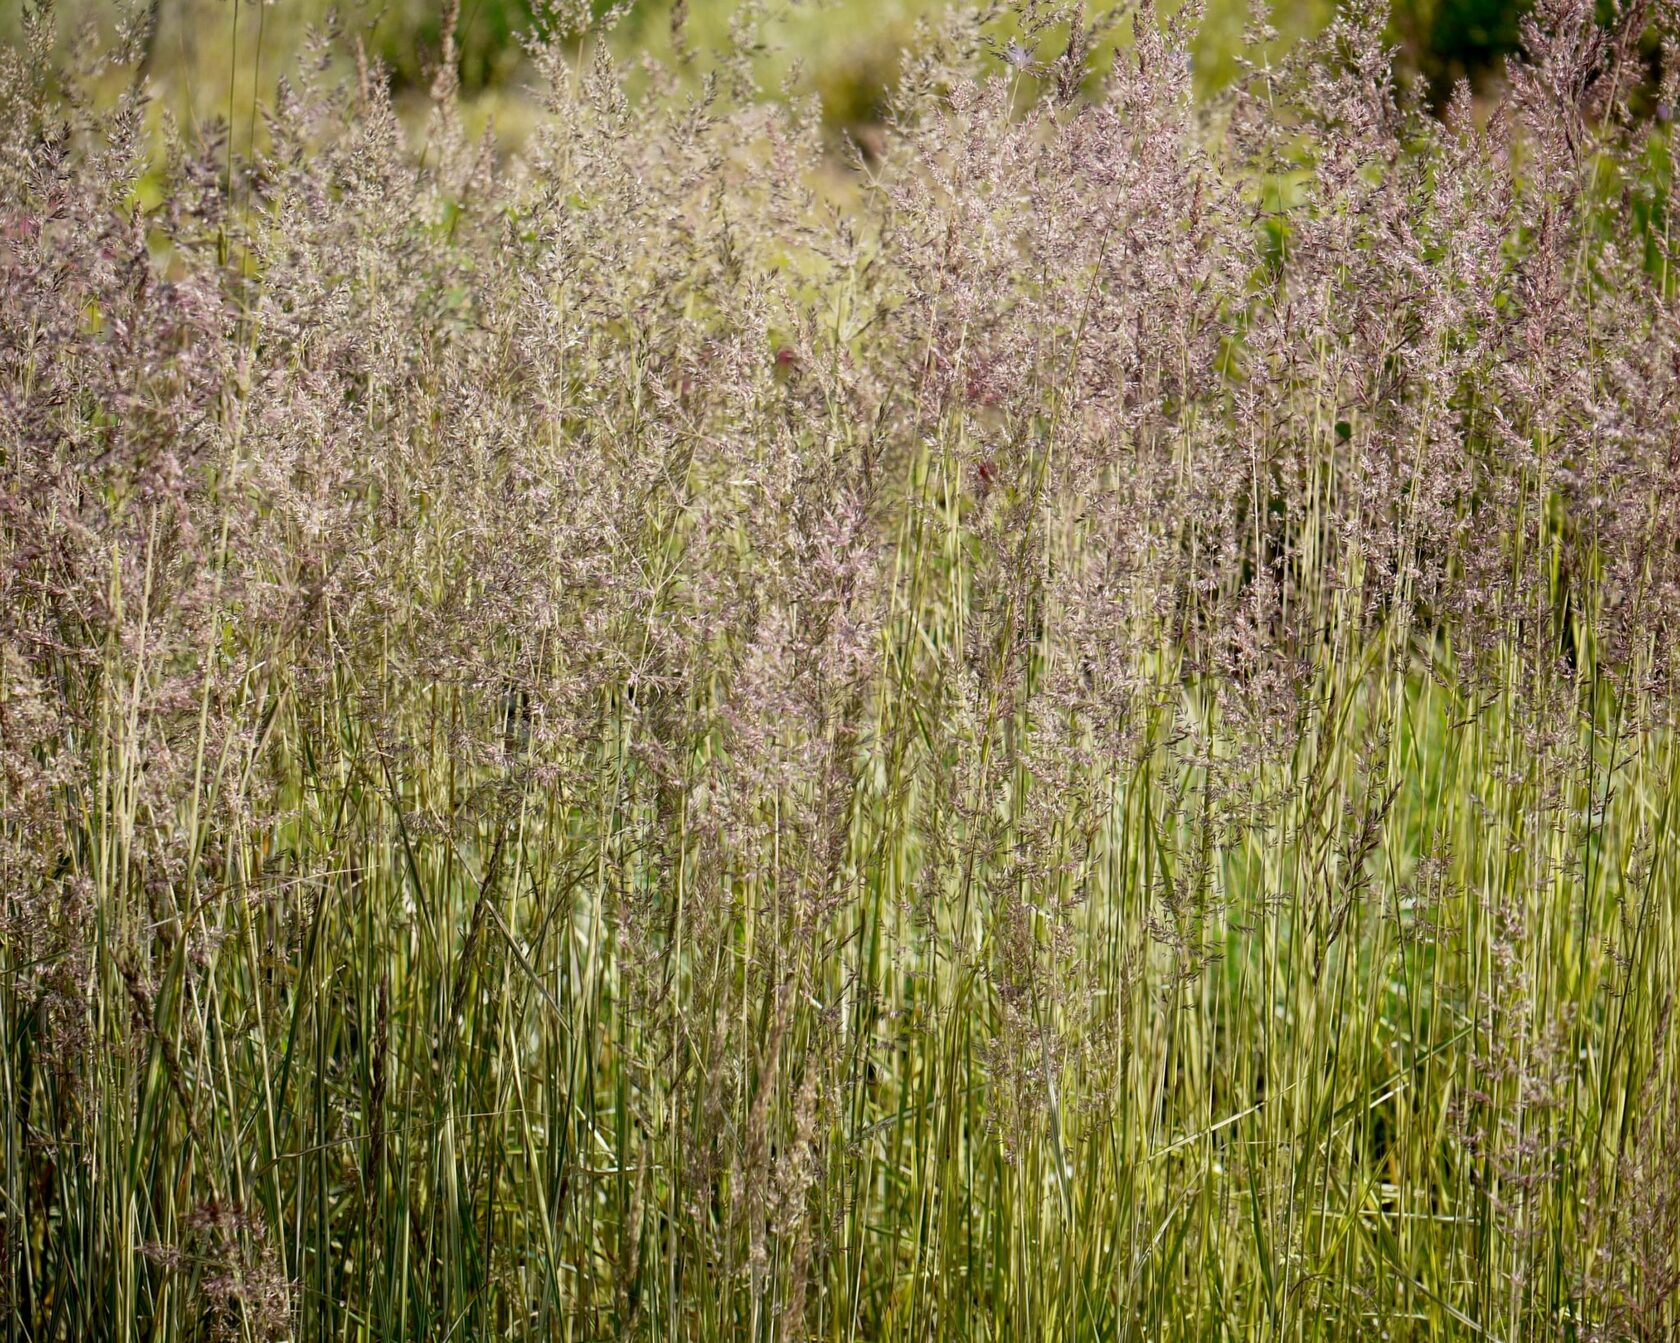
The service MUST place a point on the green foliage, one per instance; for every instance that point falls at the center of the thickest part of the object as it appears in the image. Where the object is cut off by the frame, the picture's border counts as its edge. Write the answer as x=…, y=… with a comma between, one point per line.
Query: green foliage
x=403, y=37
x=1071, y=735
x=1449, y=40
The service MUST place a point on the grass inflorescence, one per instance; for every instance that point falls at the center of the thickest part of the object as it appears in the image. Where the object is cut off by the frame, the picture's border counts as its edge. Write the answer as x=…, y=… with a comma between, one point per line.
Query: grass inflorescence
x=1072, y=741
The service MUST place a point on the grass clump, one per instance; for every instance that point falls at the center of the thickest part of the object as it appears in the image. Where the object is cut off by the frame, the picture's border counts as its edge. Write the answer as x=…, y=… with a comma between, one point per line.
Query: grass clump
x=596, y=745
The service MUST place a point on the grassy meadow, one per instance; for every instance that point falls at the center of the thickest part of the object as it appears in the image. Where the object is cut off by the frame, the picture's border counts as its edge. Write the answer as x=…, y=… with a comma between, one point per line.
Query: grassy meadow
x=209, y=60
x=1059, y=725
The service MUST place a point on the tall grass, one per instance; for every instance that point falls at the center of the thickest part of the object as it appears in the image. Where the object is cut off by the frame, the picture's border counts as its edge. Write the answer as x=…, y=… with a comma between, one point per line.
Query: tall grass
x=1078, y=747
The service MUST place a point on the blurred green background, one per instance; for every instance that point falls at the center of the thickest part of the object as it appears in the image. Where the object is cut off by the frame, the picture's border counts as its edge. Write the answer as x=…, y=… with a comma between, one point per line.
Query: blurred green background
x=208, y=57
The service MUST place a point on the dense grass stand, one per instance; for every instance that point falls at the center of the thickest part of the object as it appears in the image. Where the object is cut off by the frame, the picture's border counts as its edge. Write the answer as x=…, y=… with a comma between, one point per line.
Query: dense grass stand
x=1064, y=734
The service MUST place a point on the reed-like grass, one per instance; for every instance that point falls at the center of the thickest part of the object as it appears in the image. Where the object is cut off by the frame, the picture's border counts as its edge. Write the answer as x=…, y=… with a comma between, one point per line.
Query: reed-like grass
x=1079, y=747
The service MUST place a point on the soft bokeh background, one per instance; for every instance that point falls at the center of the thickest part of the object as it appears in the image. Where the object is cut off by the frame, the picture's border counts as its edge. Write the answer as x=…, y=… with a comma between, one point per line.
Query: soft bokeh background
x=215, y=57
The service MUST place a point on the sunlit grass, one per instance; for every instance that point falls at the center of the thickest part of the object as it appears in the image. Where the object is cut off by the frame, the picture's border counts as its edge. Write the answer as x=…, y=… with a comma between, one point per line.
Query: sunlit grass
x=593, y=745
